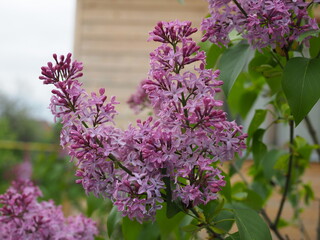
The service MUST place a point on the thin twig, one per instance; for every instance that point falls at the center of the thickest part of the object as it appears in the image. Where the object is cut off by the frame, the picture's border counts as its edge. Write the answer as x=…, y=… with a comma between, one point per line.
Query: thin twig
x=240, y=8
x=318, y=227
x=288, y=177
x=272, y=226
x=313, y=134
x=277, y=59
x=240, y=173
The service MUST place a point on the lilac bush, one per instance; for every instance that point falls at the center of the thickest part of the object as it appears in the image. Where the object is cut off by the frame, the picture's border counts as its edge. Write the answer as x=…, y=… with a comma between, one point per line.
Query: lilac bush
x=23, y=217
x=169, y=157
x=263, y=23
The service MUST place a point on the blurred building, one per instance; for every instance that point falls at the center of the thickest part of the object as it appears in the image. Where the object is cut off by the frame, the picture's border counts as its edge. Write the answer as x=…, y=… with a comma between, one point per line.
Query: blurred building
x=111, y=39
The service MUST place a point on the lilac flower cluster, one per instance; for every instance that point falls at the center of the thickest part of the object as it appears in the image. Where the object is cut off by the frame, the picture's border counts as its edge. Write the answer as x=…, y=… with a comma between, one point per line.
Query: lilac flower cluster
x=171, y=155
x=263, y=23
x=23, y=217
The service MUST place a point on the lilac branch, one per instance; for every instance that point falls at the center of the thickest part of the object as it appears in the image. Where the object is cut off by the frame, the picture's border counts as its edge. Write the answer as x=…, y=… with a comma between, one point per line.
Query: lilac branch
x=313, y=134
x=240, y=8
x=288, y=177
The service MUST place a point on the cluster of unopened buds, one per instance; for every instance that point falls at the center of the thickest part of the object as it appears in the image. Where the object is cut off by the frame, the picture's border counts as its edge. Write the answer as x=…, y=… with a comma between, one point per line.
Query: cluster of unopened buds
x=170, y=157
x=263, y=23
x=22, y=217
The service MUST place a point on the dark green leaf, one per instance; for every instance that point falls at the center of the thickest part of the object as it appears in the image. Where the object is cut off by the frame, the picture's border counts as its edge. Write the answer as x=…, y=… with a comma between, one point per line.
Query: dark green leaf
x=258, y=147
x=253, y=200
x=250, y=225
x=92, y=204
x=167, y=226
x=130, y=229
x=150, y=230
x=113, y=218
x=191, y=228
x=262, y=188
x=99, y=238
x=223, y=215
x=314, y=47
x=211, y=209
x=234, y=236
x=218, y=230
x=268, y=162
x=308, y=193
x=257, y=120
x=301, y=85
x=274, y=83
x=213, y=55
x=173, y=208
x=232, y=63
x=243, y=95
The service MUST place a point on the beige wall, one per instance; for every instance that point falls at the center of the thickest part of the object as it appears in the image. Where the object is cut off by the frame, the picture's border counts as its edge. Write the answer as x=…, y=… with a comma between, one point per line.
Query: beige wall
x=111, y=40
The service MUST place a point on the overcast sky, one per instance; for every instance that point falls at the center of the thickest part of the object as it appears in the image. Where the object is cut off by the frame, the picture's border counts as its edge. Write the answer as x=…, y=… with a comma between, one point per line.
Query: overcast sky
x=30, y=31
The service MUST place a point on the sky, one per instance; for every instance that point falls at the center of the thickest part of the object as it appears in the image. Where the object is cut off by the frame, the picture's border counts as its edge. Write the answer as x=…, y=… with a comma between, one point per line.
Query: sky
x=30, y=32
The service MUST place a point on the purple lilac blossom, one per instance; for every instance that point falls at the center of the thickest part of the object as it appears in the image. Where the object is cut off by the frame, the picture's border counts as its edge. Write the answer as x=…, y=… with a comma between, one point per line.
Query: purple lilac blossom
x=23, y=217
x=187, y=135
x=263, y=23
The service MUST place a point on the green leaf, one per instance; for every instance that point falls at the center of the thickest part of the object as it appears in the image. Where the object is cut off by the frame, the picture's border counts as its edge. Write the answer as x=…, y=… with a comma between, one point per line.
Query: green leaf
x=213, y=53
x=213, y=208
x=274, y=83
x=308, y=193
x=257, y=120
x=113, y=218
x=250, y=225
x=222, y=220
x=268, y=162
x=313, y=33
x=167, y=226
x=191, y=228
x=301, y=85
x=314, y=47
x=253, y=200
x=218, y=230
x=243, y=94
x=99, y=238
x=92, y=204
x=282, y=223
x=232, y=63
x=130, y=229
x=258, y=147
x=234, y=236
x=151, y=230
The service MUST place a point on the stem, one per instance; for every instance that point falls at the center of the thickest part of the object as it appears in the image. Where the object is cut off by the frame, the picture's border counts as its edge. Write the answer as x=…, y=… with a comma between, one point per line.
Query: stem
x=288, y=177
x=272, y=226
x=111, y=156
x=209, y=230
x=114, y=159
x=310, y=4
x=240, y=174
x=277, y=59
x=240, y=8
x=313, y=134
